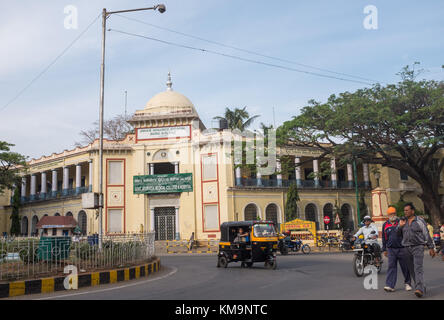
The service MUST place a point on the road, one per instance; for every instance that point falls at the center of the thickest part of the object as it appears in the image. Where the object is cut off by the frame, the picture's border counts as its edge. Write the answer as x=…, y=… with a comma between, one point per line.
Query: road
x=313, y=276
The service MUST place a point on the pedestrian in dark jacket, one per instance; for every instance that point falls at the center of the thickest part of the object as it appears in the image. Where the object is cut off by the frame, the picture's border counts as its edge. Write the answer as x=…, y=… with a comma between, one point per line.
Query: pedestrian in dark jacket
x=392, y=247
x=414, y=237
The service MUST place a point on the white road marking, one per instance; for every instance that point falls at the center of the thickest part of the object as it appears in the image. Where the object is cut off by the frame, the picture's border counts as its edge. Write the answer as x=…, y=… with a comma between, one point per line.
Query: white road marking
x=110, y=289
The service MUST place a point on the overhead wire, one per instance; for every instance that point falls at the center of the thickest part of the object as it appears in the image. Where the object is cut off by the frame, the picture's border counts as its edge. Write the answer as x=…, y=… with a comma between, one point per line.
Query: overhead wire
x=245, y=50
x=237, y=57
x=40, y=74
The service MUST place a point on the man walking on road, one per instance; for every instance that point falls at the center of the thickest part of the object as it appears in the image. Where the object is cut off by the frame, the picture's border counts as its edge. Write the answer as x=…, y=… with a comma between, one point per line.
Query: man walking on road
x=392, y=247
x=415, y=236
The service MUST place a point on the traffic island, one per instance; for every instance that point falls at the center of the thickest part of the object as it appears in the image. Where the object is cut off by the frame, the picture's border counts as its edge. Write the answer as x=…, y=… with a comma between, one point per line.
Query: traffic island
x=47, y=285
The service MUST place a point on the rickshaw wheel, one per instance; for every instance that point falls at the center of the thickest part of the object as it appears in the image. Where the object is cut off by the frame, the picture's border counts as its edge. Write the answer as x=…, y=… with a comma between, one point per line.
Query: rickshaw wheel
x=271, y=264
x=222, y=262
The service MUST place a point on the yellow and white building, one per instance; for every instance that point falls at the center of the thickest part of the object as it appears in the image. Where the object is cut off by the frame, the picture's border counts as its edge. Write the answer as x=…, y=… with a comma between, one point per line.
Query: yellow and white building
x=202, y=189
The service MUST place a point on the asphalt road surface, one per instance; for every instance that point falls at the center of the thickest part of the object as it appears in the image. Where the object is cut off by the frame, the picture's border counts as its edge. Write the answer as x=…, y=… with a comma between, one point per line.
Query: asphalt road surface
x=313, y=276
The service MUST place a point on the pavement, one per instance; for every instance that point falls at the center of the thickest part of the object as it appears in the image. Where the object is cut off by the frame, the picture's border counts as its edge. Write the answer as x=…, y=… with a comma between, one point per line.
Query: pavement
x=298, y=276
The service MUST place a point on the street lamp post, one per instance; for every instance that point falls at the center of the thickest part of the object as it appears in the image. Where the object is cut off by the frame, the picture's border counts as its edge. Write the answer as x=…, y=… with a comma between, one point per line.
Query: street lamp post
x=355, y=173
x=105, y=14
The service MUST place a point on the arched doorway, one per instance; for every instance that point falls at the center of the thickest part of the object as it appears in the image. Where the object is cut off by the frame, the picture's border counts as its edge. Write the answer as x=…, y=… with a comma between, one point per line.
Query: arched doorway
x=347, y=217
x=271, y=213
x=82, y=222
x=57, y=214
x=250, y=212
x=311, y=214
x=69, y=214
x=328, y=211
x=24, y=227
x=34, y=222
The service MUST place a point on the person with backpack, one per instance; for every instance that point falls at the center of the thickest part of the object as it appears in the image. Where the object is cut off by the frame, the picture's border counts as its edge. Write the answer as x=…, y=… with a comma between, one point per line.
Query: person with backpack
x=415, y=236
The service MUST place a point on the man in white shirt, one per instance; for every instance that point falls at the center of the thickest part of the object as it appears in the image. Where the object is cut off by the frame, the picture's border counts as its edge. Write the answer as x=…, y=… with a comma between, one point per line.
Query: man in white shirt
x=369, y=238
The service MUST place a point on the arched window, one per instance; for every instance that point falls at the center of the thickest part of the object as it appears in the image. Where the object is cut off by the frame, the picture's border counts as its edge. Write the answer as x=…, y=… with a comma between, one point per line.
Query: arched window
x=69, y=214
x=34, y=222
x=311, y=214
x=271, y=213
x=24, y=226
x=57, y=214
x=328, y=211
x=250, y=212
x=347, y=217
x=82, y=221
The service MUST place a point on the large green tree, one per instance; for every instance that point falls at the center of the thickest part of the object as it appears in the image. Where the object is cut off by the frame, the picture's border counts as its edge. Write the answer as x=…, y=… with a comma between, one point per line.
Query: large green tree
x=237, y=118
x=10, y=162
x=400, y=126
x=291, y=205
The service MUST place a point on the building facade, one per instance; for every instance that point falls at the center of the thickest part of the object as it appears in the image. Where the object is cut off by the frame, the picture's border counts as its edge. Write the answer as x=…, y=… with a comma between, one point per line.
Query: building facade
x=175, y=178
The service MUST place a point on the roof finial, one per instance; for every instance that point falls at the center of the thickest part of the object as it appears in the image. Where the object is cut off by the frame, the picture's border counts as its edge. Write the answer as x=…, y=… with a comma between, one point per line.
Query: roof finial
x=169, y=83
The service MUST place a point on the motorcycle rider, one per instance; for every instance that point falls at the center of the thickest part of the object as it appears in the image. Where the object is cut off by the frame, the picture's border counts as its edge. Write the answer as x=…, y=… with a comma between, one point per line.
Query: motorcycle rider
x=369, y=238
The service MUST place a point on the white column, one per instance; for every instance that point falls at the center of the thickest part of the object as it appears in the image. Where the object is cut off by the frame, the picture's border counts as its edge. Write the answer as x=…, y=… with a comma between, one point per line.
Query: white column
x=366, y=176
x=23, y=193
x=334, y=176
x=43, y=188
x=151, y=168
x=316, y=171
x=176, y=167
x=54, y=182
x=65, y=180
x=238, y=176
x=350, y=175
x=33, y=186
x=152, y=220
x=78, y=177
x=90, y=176
x=279, y=175
x=177, y=224
x=297, y=160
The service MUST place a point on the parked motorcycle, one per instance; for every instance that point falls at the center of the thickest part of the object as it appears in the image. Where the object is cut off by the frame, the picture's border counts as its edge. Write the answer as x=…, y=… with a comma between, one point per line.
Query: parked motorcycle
x=331, y=241
x=364, y=256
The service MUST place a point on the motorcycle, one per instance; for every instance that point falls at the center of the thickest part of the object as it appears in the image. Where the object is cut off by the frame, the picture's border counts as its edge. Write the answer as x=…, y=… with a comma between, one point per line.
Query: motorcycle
x=286, y=244
x=437, y=240
x=346, y=242
x=364, y=256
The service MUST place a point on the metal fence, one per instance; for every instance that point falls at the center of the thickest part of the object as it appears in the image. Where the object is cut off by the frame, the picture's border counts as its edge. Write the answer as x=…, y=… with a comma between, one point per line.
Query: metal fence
x=23, y=258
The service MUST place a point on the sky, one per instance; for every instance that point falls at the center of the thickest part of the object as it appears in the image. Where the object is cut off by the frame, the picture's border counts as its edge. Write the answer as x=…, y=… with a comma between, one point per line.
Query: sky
x=328, y=34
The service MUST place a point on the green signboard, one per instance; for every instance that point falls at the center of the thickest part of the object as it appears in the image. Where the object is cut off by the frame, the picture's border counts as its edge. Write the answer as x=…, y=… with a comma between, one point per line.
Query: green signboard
x=163, y=183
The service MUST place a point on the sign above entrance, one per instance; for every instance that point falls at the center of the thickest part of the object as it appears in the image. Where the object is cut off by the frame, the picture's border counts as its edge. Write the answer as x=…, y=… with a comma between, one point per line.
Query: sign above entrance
x=156, y=133
x=163, y=183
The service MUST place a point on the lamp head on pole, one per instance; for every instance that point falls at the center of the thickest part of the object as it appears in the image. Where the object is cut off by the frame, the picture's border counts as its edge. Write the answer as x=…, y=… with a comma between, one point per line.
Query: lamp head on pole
x=161, y=8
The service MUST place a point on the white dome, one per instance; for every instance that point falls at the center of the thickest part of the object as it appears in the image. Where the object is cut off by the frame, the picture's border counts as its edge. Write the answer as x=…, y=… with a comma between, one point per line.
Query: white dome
x=170, y=99
x=168, y=103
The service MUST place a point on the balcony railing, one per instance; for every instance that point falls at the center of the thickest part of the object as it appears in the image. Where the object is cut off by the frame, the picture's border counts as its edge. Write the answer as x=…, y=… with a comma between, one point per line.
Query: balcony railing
x=307, y=184
x=54, y=195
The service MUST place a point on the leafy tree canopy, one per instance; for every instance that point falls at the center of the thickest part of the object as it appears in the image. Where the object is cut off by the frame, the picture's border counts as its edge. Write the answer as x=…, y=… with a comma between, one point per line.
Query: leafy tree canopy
x=237, y=118
x=9, y=162
x=400, y=126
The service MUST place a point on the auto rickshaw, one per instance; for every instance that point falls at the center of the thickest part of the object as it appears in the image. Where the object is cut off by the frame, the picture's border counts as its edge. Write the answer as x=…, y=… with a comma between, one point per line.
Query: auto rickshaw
x=260, y=244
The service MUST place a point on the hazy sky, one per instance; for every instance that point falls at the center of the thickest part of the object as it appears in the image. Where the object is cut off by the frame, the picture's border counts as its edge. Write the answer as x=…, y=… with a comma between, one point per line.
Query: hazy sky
x=327, y=34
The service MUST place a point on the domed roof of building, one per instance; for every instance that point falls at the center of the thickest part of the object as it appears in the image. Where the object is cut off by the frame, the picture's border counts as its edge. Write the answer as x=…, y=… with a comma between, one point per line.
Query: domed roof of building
x=168, y=102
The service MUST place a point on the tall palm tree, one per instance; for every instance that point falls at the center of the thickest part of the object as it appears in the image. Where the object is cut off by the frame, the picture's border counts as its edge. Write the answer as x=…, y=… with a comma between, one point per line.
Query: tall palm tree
x=237, y=118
